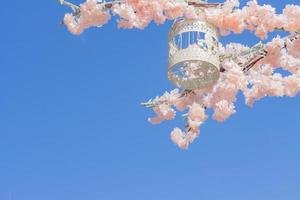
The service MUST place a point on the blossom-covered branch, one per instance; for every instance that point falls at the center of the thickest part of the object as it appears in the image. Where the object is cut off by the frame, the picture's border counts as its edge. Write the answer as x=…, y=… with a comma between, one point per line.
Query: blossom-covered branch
x=255, y=82
x=226, y=16
x=251, y=71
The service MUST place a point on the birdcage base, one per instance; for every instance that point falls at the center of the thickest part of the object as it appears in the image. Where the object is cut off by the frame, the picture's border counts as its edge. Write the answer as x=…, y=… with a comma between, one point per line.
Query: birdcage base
x=192, y=75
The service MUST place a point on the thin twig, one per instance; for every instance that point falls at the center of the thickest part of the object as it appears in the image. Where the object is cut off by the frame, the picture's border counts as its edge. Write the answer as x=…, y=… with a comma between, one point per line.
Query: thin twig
x=71, y=5
x=205, y=5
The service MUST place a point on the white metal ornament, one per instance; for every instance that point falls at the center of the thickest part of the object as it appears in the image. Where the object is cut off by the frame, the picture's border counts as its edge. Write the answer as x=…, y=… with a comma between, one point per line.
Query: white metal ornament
x=194, y=61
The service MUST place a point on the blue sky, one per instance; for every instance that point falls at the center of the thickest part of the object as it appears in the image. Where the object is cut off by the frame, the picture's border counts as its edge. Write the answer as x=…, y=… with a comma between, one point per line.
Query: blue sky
x=71, y=124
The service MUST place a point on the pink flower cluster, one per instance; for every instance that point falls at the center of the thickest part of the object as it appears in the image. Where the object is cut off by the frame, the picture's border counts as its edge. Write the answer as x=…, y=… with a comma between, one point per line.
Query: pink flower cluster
x=163, y=112
x=253, y=17
x=260, y=81
x=228, y=17
x=195, y=117
x=91, y=14
x=139, y=13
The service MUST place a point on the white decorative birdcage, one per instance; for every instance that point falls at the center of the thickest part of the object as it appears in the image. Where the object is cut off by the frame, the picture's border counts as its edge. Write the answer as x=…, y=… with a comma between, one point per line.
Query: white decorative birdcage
x=193, y=54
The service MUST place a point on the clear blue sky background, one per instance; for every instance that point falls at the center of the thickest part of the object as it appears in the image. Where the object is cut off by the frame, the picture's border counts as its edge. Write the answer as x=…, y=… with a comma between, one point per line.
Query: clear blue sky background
x=72, y=128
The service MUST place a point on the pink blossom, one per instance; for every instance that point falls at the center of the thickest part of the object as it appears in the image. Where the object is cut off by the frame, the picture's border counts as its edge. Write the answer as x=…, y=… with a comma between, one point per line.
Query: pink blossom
x=174, y=9
x=274, y=49
x=225, y=18
x=223, y=110
x=190, y=13
x=127, y=15
x=178, y=137
x=254, y=94
x=91, y=14
x=275, y=86
x=193, y=125
x=163, y=112
x=191, y=135
x=183, y=102
x=260, y=18
x=293, y=47
x=197, y=112
x=292, y=85
x=290, y=63
x=292, y=13
x=183, y=139
x=72, y=24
